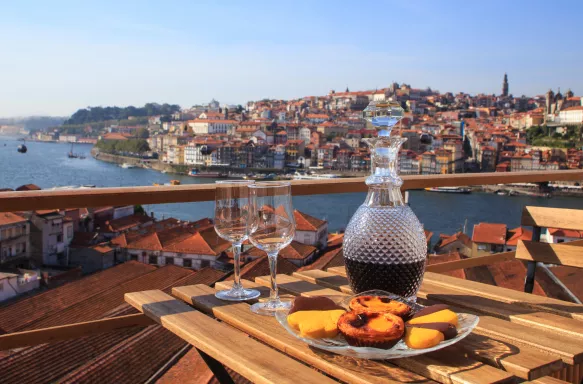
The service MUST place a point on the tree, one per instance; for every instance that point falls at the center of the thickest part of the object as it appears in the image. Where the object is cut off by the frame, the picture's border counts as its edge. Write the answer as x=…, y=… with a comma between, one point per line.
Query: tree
x=142, y=133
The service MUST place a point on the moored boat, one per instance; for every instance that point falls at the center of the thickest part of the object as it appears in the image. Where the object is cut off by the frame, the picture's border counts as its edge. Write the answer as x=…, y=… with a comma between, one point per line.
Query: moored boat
x=449, y=189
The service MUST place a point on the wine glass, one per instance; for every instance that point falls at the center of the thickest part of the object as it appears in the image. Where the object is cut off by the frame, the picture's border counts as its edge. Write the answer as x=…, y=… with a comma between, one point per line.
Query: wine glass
x=273, y=229
x=233, y=223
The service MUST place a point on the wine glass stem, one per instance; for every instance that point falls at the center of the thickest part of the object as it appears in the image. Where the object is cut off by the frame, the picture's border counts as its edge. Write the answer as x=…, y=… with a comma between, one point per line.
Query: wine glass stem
x=274, y=294
x=237, y=263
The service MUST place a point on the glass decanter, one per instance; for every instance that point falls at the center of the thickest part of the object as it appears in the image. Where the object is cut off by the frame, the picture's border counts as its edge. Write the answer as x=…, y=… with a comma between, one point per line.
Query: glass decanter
x=384, y=243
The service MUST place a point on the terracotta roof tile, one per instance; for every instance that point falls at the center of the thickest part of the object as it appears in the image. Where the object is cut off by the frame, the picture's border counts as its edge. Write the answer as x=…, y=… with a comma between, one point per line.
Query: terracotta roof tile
x=22, y=313
x=453, y=256
x=260, y=267
x=516, y=234
x=305, y=222
x=511, y=275
x=489, y=233
x=28, y=187
x=330, y=258
x=566, y=233
x=10, y=218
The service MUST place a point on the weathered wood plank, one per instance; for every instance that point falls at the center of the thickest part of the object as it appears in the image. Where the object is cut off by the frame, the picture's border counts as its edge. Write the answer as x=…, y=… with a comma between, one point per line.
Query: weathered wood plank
x=71, y=331
x=552, y=218
x=524, y=362
x=452, y=367
x=268, y=330
x=541, y=303
x=248, y=357
x=33, y=200
x=561, y=254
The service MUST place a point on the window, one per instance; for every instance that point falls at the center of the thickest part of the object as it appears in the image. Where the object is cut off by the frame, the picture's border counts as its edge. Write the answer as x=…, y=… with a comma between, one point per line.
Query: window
x=560, y=240
x=59, y=238
x=153, y=260
x=169, y=260
x=187, y=263
x=205, y=263
x=134, y=257
x=481, y=247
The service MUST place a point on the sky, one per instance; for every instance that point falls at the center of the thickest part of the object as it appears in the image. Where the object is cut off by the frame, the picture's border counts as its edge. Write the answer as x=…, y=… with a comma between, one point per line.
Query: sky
x=59, y=56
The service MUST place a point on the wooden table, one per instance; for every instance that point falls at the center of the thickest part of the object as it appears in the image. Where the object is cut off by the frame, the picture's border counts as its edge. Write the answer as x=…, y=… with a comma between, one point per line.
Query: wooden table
x=520, y=337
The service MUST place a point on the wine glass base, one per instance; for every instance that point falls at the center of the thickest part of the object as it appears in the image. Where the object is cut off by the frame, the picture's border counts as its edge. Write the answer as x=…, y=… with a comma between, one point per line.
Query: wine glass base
x=268, y=308
x=237, y=294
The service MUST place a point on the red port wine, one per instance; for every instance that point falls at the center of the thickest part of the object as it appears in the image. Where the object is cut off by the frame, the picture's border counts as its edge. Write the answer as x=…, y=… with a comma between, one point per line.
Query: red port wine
x=401, y=279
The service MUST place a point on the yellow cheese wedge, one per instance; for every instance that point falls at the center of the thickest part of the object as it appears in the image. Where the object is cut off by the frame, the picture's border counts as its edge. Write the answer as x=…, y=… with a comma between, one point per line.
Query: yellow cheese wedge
x=444, y=316
x=420, y=338
x=316, y=324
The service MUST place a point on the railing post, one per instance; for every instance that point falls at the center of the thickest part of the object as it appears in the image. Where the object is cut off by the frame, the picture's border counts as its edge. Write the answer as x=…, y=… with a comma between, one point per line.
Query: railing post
x=531, y=267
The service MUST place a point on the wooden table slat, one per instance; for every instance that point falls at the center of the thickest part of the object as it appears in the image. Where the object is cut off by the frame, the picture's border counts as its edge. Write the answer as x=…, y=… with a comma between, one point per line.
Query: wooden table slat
x=268, y=330
x=524, y=362
x=250, y=358
x=451, y=367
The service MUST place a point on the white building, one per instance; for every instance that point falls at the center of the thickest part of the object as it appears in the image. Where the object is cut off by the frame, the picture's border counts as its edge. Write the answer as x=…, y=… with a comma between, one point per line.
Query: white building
x=571, y=115
x=12, y=284
x=555, y=235
x=51, y=234
x=305, y=134
x=206, y=127
x=14, y=237
x=310, y=230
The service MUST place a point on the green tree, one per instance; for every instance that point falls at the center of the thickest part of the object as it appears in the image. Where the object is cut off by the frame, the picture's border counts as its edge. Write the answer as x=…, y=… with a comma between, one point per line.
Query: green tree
x=143, y=133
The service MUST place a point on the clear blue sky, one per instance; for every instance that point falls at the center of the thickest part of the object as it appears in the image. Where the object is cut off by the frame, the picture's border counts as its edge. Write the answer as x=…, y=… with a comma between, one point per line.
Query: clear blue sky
x=58, y=56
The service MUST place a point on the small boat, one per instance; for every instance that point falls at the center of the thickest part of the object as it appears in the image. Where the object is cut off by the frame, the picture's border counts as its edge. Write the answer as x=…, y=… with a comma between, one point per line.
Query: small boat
x=214, y=175
x=449, y=189
x=22, y=148
x=164, y=171
x=127, y=166
x=323, y=176
x=501, y=193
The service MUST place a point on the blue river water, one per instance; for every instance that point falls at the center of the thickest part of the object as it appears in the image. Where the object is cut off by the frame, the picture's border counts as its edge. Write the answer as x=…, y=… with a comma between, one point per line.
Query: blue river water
x=47, y=165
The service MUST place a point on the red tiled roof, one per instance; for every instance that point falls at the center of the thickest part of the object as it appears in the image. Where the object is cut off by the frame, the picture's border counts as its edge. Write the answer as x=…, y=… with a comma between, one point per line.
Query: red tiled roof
x=511, y=275
x=10, y=218
x=24, y=312
x=305, y=222
x=28, y=187
x=330, y=258
x=453, y=256
x=571, y=277
x=516, y=234
x=111, y=297
x=459, y=236
x=260, y=267
x=124, y=223
x=116, y=136
x=566, y=233
x=489, y=233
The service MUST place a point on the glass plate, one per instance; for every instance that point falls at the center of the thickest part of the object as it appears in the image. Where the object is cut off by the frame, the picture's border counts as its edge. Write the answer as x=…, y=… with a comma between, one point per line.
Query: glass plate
x=466, y=323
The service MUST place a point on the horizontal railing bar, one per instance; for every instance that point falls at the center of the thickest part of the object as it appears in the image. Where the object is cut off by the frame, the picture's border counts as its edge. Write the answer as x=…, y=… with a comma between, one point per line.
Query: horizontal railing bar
x=71, y=331
x=98, y=197
x=471, y=262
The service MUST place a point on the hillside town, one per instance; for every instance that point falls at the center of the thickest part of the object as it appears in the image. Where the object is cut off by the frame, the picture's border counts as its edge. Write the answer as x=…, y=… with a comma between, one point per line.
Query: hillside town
x=446, y=133
x=75, y=265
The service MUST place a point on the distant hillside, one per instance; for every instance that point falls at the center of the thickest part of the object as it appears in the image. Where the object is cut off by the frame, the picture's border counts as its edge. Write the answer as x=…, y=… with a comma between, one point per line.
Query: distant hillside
x=97, y=114
x=34, y=123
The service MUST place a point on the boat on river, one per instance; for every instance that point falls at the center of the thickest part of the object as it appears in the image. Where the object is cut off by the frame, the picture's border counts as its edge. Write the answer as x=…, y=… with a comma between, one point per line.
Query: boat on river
x=127, y=166
x=213, y=175
x=321, y=176
x=449, y=190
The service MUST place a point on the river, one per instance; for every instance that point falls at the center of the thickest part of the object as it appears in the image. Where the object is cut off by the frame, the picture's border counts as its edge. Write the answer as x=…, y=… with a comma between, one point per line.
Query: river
x=47, y=165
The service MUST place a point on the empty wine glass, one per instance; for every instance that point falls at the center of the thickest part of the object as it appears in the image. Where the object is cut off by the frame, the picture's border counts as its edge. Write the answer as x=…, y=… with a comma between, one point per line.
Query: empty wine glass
x=233, y=223
x=273, y=229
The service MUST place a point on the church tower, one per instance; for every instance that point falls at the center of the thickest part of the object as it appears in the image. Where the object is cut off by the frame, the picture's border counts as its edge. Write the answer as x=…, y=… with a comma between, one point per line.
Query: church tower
x=505, y=86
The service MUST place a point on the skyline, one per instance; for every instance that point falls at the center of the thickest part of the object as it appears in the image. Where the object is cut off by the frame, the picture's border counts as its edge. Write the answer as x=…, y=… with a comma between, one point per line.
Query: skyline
x=66, y=56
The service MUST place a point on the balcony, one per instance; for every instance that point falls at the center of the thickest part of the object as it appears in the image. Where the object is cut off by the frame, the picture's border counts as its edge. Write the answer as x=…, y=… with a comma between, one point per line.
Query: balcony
x=506, y=357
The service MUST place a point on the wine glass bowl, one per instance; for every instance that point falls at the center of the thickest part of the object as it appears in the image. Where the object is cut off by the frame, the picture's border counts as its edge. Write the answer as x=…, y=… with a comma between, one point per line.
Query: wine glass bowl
x=273, y=229
x=233, y=222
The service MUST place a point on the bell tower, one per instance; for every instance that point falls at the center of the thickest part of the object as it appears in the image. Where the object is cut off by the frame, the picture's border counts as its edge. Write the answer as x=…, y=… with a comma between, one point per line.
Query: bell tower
x=505, y=86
